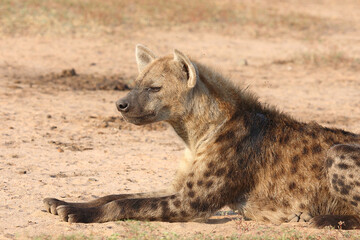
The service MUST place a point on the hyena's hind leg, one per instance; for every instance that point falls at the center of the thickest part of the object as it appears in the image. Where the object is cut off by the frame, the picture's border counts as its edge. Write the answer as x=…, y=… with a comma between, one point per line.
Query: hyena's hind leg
x=51, y=204
x=343, y=171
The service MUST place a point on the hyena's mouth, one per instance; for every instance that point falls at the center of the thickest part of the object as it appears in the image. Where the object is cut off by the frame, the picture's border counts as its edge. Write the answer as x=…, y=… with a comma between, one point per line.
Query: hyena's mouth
x=139, y=119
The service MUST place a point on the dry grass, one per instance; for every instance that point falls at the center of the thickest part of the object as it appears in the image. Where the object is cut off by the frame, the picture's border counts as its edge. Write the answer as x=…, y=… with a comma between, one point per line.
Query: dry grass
x=19, y=17
x=333, y=59
x=152, y=231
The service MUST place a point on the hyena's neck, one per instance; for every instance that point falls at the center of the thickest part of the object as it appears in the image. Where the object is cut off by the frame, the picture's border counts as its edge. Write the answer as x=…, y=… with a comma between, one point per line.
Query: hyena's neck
x=199, y=124
x=212, y=103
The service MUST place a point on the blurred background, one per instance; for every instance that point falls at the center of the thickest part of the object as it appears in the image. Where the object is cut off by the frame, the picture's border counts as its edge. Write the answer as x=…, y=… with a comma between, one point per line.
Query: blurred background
x=262, y=44
x=256, y=18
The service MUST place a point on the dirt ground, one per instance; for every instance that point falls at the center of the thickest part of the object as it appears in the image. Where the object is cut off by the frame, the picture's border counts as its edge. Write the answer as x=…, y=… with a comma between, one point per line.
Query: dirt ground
x=61, y=135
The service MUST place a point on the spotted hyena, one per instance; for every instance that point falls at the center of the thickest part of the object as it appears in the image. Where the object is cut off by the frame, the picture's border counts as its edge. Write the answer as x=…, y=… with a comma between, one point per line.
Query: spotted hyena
x=240, y=153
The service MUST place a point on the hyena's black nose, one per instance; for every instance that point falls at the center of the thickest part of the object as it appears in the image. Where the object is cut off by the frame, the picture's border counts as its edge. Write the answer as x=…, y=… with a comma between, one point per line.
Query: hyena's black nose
x=122, y=105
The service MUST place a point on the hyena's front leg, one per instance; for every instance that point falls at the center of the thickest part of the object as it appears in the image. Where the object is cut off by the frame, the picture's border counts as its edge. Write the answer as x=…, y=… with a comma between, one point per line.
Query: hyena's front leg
x=172, y=208
x=202, y=194
x=161, y=208
x=51, y=204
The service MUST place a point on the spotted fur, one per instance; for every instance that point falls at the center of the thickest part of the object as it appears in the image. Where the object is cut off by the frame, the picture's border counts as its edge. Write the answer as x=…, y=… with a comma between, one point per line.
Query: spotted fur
x=239, y=153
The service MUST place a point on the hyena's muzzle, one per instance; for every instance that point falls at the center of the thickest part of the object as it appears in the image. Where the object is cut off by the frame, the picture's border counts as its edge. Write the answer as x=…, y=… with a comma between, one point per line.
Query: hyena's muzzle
x=132, y=107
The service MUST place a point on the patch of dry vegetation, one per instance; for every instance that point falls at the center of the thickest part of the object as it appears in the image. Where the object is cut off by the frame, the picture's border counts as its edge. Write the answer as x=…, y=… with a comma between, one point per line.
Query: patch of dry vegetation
x=152, y=231
x=333, y=59
x=19, y=17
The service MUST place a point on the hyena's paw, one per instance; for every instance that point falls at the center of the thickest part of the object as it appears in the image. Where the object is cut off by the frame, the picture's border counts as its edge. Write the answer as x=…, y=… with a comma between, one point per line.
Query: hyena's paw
x=77, y=215
x=52, y=203
x=300, y=217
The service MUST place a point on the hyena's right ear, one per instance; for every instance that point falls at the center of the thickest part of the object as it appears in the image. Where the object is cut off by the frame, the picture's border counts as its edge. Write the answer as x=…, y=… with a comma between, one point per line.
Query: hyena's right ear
x=189, y=66
x=143, y=57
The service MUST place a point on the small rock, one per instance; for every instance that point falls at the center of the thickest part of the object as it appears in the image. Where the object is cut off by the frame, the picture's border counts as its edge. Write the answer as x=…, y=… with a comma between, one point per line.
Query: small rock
x=60, y=150
x=68, y=73
x=104, y=125
x=10, y=236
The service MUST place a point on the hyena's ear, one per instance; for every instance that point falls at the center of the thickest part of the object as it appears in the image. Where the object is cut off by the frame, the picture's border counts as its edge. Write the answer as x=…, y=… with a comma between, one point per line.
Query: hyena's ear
x=143, y=56
x=189, y=67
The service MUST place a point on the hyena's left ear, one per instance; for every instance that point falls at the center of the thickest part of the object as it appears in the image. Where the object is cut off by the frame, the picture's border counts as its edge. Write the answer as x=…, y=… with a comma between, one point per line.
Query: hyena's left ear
x=189, y=67
x=143, y=57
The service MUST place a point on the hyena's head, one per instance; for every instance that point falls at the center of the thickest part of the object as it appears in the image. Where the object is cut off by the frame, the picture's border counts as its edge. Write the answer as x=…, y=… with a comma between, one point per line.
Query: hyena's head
x=161, y=90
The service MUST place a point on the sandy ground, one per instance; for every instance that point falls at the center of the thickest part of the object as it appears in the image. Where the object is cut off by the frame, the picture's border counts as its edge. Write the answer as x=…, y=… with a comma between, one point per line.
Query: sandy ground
x=70, y=144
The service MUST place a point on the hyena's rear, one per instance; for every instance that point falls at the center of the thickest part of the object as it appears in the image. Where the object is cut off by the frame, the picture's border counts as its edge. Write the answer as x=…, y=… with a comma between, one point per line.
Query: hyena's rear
x=250, y=157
